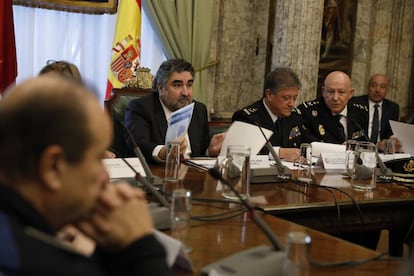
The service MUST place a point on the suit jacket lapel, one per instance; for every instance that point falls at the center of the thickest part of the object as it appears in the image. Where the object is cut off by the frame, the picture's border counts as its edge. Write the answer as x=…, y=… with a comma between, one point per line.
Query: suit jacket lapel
x=160, y=117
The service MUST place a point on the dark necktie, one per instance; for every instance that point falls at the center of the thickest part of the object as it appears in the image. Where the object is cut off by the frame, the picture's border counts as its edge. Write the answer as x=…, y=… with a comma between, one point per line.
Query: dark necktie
x=279, y=132
x=340, y=127
x=375, y=125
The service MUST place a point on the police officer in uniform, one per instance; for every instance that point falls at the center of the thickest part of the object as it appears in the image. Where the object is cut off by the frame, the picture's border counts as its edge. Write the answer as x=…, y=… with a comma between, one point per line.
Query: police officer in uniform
x=275, y=111
x=331, y=118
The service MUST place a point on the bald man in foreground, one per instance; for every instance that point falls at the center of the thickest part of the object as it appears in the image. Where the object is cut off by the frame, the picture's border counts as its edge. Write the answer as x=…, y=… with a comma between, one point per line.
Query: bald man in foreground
x=331, y=118
x=53, y=136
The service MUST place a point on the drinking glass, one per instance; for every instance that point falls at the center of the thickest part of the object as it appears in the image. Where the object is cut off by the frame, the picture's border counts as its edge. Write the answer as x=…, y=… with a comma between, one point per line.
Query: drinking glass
x=298, y=247
x=389, y=146
x=350, y=153
x=235, y=170
x=304, y=163
x=361, y=166
x=172, y=161
x=181, y=216
x=305, y=158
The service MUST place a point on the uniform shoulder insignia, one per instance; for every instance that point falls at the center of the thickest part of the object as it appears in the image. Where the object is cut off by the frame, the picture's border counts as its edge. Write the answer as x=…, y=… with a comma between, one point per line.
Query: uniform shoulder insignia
x=310, y=103
x=360, y=106
x=296, y=110
x=250, y=111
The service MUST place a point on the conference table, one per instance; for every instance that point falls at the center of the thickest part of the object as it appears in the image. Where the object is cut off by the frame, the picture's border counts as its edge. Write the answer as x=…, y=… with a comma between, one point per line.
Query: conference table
x=291, y=206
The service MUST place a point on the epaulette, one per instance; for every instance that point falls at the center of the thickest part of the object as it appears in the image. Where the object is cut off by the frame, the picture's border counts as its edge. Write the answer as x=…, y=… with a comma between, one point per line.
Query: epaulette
x=296, y=110
x=360, y=106
x=310, y=103
x=250, y=111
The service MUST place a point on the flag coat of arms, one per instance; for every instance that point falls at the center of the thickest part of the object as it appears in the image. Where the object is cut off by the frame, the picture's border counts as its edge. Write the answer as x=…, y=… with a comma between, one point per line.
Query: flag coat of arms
x=126, y=48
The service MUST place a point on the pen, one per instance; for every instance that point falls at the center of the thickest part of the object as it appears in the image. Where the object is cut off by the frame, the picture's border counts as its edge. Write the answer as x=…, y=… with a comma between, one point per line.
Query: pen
x=193, y=164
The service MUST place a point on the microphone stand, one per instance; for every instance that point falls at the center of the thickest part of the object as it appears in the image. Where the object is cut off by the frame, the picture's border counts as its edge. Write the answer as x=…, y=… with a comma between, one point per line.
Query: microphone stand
x=283, y=172
x=260, y=260
x=160, y=214
x=154, y=180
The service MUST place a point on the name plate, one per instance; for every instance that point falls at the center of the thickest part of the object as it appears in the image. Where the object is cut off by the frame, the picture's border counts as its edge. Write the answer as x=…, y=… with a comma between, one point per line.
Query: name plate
x=333, y=160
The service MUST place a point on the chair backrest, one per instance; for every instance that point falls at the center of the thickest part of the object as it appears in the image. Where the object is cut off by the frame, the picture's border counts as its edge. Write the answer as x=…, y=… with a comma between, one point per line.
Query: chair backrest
x=116, y=108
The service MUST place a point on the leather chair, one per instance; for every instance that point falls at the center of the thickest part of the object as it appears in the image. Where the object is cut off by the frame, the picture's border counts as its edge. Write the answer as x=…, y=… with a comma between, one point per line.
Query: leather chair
x=115, y=106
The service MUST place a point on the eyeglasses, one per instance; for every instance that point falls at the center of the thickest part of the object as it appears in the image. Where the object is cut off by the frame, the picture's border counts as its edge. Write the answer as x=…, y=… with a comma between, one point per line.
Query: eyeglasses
x=52, y=61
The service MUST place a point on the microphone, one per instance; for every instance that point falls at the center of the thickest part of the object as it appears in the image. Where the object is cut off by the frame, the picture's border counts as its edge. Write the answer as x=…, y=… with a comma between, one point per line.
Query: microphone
x=154, y=180
x=260, y=260
x=283, y=172
x=160, y=214
x=214, y=172
x=383, y=174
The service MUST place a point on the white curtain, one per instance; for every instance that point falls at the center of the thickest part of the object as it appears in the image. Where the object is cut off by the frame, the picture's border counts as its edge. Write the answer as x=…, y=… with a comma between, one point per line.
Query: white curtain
x=82, y=39
x=185, y=28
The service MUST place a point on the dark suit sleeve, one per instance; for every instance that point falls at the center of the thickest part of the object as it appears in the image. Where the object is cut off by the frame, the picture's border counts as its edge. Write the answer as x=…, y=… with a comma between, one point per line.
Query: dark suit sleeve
x=391, y=112
x=140, y=120
x=145, y=256
x=199, y=132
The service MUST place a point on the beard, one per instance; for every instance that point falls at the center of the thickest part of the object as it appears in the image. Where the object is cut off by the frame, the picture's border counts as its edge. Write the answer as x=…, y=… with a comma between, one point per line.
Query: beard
x=174, y=105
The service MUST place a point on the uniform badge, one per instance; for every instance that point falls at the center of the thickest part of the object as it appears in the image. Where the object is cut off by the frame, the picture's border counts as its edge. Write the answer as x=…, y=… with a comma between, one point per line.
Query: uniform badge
x=250, y=111
x=357, y=134
x=409, y=166
x=294, y=132
x=321, y=130
x=314, y=113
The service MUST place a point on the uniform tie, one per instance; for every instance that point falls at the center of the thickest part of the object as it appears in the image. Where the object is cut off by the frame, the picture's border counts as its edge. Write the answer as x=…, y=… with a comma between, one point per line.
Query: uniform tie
x=279, y=132
x=375, y=125
x=340, y=127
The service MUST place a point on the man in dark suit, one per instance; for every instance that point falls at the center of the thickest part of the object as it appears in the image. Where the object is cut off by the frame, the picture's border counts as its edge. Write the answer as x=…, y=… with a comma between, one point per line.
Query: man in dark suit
x=332, y=118
x=275, y=111
x=387, y=110
x=147, y=117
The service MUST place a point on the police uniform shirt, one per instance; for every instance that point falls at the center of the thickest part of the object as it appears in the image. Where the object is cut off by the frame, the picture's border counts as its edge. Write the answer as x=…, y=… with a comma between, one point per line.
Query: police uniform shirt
x=322, y=125
x=292, y=127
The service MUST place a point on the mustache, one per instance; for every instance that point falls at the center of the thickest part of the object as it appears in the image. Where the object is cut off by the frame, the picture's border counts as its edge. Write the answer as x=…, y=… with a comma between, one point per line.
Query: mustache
x=184, y=98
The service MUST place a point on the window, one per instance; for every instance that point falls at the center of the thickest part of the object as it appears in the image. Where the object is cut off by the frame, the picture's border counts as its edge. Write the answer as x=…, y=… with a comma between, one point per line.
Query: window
x=83, y=39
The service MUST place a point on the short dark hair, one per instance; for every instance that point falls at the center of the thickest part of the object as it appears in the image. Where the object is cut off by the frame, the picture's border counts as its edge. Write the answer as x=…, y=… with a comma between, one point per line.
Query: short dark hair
x=281, y=77
x=39, y=120
x=170, y=66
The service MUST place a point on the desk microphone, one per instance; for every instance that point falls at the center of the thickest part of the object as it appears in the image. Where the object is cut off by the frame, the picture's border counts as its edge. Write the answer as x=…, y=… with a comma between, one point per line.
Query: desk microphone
x=260, y=260
x=160, y=214
x=383, y=174
x=283, y=172
x=154, y=180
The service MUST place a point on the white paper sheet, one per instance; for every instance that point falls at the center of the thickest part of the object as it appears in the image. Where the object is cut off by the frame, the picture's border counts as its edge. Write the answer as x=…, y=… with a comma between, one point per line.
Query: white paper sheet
x=319, y=147
x=244, y=134
x=180, y=120
x=404, y=132
x=175, y=251
x=117, y=168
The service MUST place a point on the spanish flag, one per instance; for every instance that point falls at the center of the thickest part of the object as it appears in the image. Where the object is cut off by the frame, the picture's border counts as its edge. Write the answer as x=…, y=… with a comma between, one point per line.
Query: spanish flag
x=8, y=62
x=126, y=47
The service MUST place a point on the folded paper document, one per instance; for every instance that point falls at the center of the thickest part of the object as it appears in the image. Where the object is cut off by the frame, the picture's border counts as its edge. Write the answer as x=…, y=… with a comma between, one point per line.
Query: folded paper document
x=119, y=169
x=244, y=134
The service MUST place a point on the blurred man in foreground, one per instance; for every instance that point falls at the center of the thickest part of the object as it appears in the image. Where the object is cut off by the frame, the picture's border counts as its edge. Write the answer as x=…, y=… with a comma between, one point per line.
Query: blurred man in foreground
x=53, y=136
